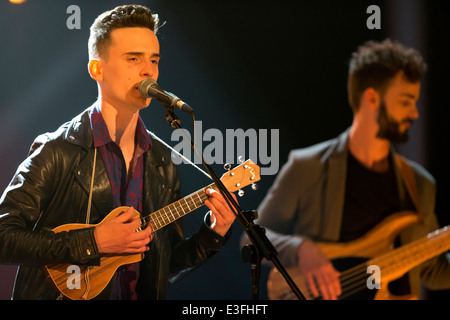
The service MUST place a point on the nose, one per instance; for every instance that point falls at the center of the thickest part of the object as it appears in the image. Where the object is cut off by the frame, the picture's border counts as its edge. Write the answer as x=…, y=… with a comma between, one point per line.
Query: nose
x=149, y=70
x=414, y=114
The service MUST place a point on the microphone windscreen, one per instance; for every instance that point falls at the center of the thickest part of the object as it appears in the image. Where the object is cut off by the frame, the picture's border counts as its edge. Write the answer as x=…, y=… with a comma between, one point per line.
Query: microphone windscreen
x=144, y=87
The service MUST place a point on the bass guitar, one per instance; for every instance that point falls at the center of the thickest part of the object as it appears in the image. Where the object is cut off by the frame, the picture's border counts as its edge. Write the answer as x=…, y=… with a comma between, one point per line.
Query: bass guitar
x=354, y=260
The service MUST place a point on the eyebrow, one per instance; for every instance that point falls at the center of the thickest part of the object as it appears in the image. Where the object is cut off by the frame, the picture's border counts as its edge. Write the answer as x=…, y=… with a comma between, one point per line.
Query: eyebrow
x=132, y=53
x=408, y=95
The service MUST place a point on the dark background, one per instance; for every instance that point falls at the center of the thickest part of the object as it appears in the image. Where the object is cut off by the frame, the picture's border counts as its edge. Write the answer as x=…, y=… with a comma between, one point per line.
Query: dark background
x=239, y=64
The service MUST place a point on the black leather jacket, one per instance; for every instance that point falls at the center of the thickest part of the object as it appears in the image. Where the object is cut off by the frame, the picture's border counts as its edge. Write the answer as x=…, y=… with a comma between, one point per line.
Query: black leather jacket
x=51, y=188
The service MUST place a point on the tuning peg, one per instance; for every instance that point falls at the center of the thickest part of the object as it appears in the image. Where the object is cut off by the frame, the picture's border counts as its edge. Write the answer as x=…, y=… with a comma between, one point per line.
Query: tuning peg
x=241, y=159
x=254, y=186
x=241, y=193
x=227, y=166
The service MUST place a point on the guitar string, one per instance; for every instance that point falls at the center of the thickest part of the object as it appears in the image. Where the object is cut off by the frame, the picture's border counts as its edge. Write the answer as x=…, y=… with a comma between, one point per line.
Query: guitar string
x=177, y=210
x=352, y=283
x=157, y=218
x=88, y=283
x=354, y=279
x=352, y=287
x=398, y=255
x=347, y=280
x=355, y=284
x=347, y=289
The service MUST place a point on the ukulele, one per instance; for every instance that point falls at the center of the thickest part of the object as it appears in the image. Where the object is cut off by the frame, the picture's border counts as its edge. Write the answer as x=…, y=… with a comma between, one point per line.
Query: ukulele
x=91, y=280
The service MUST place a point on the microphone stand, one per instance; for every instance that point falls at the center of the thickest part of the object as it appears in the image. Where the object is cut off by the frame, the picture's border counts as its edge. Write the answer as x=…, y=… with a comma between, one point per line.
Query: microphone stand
x=261, y=246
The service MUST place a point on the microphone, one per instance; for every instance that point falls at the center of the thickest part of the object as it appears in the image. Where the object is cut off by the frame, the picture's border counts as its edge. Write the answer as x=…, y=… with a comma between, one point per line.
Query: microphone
x=148, y=88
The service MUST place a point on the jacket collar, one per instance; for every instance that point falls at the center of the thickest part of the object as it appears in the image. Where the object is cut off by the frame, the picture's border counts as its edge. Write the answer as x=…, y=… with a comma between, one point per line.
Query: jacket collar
x=79, y=130
x=336, y=158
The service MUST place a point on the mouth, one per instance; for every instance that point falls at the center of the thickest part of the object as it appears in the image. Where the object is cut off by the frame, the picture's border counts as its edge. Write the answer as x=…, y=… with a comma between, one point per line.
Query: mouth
x=407, y=123
x=137, y=89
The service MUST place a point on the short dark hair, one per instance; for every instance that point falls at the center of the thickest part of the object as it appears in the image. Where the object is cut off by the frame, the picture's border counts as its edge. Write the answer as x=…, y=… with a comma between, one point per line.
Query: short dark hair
x=374, y=64
x=127, y=16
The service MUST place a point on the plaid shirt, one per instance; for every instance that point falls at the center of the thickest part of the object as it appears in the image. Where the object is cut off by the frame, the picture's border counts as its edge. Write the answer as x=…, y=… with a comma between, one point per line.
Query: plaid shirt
x=126, y=187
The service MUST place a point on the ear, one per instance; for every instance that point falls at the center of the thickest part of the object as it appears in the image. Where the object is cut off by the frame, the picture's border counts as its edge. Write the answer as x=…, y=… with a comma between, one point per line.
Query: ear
x=95, y=70
x=371, y=98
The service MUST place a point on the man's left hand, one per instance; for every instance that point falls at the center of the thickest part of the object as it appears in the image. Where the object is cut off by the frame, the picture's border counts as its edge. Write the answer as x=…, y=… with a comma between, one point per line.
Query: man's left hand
x=221, y=215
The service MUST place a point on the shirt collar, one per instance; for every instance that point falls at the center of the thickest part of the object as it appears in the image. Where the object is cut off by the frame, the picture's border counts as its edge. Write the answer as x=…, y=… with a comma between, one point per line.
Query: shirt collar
x=101, y=133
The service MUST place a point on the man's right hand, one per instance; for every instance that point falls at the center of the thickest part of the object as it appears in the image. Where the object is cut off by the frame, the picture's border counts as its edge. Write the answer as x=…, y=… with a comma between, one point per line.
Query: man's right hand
x=118, y=235
x=321, y=276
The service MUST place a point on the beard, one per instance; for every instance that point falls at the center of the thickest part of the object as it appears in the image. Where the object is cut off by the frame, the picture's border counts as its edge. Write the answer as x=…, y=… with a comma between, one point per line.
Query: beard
x=389, y=128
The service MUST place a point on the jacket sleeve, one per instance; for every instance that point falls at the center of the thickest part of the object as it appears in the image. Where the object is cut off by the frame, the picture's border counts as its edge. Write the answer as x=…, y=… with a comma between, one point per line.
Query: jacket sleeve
x=435, y=273
x=191, y=252
x=22, y=205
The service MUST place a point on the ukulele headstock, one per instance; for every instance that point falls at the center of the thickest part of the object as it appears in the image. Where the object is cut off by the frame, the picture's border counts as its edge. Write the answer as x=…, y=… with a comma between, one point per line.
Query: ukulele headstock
x=241, y=176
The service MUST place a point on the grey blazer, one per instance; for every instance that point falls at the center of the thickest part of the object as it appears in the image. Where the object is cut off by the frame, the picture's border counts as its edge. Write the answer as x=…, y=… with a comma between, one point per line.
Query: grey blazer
x=307, y=199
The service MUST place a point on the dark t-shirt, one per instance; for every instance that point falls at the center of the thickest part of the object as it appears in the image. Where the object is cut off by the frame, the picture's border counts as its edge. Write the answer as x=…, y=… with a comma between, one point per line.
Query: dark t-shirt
x=369, y=198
